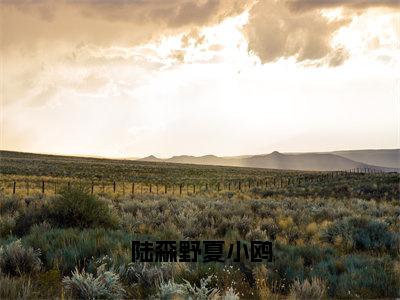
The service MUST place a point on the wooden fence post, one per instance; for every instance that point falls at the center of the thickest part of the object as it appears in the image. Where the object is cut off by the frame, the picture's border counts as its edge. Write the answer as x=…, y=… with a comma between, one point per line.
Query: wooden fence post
x=42, y=186
x=114, y=186
x=165, y=189
x=14, y=184
x=240, y=185
x=133, y=188
x=27, y=188
x=218, y=186
x=180, y=189
x=150, y=188
x=194, y=189
x=92, y=187
x=123, y=188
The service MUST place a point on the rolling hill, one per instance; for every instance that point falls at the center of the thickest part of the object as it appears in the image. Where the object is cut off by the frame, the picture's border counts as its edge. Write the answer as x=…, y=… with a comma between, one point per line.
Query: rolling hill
x=379, y=160
x=385, y=157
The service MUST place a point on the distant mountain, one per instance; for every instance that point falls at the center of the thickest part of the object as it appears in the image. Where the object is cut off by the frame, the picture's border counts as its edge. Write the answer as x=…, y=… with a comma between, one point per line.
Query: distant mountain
x=331, y=161
x=204, y=160
x=305, y=161
x=389, y=158
x=151, y=158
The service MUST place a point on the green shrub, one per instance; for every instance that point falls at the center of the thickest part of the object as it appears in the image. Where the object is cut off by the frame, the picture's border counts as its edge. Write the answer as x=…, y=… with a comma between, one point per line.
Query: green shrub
x=77, y=208
x=7, y=225
x=48, y=284
x=10, y=204
x=17, y=260
x=30, y=217
x=292, y=263
x=70, y=247
x=366, y=277
x=360, y=233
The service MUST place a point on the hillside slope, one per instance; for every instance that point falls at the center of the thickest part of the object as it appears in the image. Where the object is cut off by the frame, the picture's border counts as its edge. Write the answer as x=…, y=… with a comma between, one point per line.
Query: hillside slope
x=276, y=160
x=389, y=158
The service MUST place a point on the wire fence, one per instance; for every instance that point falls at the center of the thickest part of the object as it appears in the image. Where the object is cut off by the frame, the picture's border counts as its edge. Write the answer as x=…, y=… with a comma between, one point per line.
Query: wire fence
x=53, y=186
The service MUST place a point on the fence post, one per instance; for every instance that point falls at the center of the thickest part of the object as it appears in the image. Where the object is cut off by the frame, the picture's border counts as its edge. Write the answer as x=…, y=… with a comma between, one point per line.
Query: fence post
x=27, y=188
x=92, y=187
x=123, y=188
x=42, y=186
x=194, y=189
x=114, y=186
x=157, y=188
x=240, y=185
x=165, y=189
x=133, y=188
x=14, y=183
x=180, y=189
x=229, y=186
x=218, y=186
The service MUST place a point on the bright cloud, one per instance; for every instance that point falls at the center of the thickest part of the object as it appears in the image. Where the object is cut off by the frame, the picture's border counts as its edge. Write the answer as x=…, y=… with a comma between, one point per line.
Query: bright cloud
x=125, y=78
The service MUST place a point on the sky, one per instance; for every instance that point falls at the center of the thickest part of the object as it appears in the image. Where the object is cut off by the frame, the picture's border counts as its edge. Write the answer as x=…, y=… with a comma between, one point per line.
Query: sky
x=132, y=78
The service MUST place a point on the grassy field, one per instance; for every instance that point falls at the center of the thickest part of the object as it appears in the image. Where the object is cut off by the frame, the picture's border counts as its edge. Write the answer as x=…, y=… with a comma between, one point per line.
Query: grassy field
x=334, y=234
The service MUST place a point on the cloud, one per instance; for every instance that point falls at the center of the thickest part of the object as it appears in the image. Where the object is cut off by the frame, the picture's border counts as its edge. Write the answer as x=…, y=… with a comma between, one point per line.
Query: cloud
x=105, y=23
x=302, y=5
x=275, y=31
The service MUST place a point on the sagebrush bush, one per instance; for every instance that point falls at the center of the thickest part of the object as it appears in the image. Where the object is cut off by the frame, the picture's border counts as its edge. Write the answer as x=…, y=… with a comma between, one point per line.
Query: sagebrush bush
x=15, y=287
x=314, y=289
x=83, y=285
x=186, y=290
x=171, y=290
x=146, y=275
x=75, y=207
x=7, y=225
x=17, y=260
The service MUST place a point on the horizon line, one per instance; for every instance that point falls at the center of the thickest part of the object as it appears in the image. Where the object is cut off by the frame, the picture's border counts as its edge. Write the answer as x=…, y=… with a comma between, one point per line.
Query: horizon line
x=189, y=155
